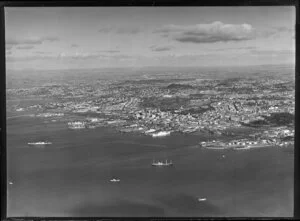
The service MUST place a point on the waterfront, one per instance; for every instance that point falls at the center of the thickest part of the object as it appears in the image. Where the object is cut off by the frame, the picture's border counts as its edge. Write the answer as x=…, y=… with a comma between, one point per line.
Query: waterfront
x=71, y=176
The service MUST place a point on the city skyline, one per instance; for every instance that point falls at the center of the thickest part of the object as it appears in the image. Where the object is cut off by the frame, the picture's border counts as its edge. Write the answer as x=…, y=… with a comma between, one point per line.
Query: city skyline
x=70, y=38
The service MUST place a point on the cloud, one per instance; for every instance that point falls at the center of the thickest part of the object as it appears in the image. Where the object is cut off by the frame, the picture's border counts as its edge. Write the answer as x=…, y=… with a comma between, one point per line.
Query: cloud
x=66, y=56
x=90, y=55
x=161, y=48
x=8, y=47
x=124, y=30
x=208, y=33
x=28, y=58
x=110, y=51
x=286, y=52
x=284, y=29
x=105, y=29
x=74, y=45
x=238, y=48
x=276, y=31
x=123, y=57
x=25, y=47
x=120, y=30
x=78, y=55
x=187, y=56
x=50, y=38
x=40, y=55
x=10, y=42
x=42, y=52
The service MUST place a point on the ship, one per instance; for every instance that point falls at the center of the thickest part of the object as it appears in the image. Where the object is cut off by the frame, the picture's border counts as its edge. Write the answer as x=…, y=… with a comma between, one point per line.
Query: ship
x=259, y=145
x=115, y=180
x=39, y=143
x=161, y=134
x=162, y=164
x=213, y=145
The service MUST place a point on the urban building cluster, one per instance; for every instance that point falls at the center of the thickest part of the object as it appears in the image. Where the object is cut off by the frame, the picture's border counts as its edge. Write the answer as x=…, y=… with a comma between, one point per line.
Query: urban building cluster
x=163, y=106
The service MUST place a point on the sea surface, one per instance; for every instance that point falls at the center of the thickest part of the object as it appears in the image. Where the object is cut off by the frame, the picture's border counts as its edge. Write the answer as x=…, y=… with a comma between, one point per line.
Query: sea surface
x=71, y=176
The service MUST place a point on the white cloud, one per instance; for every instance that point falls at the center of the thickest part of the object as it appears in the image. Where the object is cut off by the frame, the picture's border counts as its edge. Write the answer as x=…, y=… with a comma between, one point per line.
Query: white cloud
x=161, y=48
x=25, y=47
x=120, y=30
x=208, y=33
x=275, y=52
x=10, y=42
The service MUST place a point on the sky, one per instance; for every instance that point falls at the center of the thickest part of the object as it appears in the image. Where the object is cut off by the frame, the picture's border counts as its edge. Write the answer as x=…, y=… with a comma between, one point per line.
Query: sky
x=97, y=37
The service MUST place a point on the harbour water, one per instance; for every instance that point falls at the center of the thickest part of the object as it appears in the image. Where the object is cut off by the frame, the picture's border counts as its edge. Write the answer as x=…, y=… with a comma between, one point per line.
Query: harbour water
x=71, y=177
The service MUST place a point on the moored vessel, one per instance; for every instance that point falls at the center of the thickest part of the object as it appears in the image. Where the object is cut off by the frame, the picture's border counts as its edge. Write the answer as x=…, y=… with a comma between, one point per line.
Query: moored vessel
x=161, y=134
x=39, y=143
x=161, y=163
x=115, y=180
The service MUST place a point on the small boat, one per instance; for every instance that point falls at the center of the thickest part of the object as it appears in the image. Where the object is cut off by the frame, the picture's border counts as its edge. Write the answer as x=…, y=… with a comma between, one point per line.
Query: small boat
x=201, y=199
x=115, y=180
x=160, y=163
x=10, y=183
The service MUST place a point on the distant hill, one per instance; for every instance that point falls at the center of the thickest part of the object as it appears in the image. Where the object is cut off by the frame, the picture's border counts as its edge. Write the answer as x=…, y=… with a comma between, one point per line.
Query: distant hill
x=276, y=119
x=179, y=86
x=164, y=104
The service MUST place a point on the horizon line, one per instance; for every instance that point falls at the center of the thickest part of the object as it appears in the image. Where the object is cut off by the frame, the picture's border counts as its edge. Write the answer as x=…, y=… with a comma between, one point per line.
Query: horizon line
x=145, y=67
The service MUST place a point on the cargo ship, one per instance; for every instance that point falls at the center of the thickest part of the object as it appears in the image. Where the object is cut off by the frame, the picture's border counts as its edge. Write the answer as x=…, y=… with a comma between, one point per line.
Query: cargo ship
x=161, y=134
x=162, y=164
x=39, y=143
x=213, y=145
x=115, y=180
